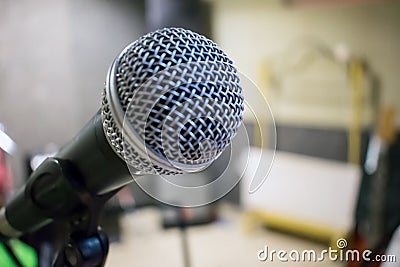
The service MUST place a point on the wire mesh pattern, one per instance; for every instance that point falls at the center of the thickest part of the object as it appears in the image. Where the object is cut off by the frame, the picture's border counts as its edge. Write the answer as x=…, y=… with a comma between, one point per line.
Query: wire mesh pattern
x=181, y=96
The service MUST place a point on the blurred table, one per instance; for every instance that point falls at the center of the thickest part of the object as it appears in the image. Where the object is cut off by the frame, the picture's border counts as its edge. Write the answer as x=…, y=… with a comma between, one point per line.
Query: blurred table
x=224, y=243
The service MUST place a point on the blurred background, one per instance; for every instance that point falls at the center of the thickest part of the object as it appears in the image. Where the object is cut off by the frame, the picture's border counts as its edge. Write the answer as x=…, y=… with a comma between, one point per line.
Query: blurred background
x=329, y=70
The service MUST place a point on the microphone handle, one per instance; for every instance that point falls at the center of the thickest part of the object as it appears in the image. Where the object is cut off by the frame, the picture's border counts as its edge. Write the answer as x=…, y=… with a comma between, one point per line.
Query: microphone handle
x=101, y=169
x=85, y=166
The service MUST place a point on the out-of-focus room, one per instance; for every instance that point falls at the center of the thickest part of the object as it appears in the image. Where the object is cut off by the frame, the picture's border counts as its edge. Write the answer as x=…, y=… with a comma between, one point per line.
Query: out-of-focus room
x=313, y=172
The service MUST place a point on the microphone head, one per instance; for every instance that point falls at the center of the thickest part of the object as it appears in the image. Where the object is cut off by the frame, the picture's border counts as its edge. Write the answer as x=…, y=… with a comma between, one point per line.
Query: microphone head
x=172, y=102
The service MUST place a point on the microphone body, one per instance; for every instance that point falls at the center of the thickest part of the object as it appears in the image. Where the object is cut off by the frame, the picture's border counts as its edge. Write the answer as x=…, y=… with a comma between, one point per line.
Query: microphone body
x=171, y=104
x=86, y=163
x=91, y=153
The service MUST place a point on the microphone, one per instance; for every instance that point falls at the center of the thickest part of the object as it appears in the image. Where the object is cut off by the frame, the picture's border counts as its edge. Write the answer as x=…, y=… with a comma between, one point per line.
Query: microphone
x=172, y=102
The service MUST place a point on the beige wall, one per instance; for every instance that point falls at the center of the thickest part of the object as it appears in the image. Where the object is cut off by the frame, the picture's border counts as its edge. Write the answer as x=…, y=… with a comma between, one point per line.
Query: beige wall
x=253, y=32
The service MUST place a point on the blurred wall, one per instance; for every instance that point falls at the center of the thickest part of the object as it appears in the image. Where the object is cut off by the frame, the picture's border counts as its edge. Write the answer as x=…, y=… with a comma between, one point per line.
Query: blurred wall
x=54, y=56
x=193, y=15
x=254, y=32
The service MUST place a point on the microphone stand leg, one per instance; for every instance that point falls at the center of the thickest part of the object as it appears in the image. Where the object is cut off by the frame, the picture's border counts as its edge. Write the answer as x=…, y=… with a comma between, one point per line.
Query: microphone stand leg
x=185, y=247
x=84, y=251
x=184, y=238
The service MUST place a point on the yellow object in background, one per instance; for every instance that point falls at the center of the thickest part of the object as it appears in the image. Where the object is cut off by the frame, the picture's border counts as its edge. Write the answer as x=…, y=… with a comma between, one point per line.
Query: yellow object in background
x=261, y=127
x=356, y=79
x=289, y=225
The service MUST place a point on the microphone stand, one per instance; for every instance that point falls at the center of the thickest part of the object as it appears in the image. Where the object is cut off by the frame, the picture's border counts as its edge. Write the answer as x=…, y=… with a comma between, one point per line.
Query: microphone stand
x=184, y=237
x=84, y=251
x=87, y=245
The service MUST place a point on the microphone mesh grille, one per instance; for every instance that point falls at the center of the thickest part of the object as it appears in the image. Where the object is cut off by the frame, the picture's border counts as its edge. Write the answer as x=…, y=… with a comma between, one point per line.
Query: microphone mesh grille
x=180, y=94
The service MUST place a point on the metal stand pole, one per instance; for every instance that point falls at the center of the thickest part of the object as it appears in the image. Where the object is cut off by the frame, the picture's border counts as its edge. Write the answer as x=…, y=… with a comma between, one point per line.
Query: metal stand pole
x=184, y=238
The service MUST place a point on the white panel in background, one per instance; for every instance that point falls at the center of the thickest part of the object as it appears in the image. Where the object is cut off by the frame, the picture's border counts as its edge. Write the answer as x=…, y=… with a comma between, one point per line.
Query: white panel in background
x=305, y=189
